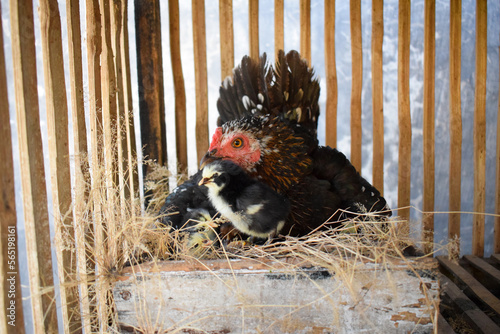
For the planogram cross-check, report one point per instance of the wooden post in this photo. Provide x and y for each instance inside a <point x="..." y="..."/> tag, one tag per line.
<point x="10" y="277"/>
<point x="57" y="124"/>
<point x="378" y="94"/>
<point x="150" y="76"/>
<point x="180" y="92"/>
<point x="200" y="74"/>
<point x="428" y="124"/>
<point x="404" y="116"/>
<point x="36" y="219"/>
<point x="305" y="30"/>
<point x="496" y="243"/>
<point x="455" y="119"/>
<point x="331" y="76"/>
<point x="279" y="24"/>
<point x="226" y="37"/>
<point x="357" y="83"/>
<point x="480" y="129"/>
<point x="80" y="157"/>
<point x="253" y="22"/>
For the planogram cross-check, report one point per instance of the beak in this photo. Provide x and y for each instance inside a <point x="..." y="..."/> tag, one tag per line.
<point x="209" y="157"/>
<point x="204" y="181"/>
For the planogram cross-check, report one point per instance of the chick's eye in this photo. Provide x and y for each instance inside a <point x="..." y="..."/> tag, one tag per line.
<point x="237" y="143"/>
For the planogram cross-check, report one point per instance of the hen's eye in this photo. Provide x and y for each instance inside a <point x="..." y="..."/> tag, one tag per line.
<point x="237" y="143"/>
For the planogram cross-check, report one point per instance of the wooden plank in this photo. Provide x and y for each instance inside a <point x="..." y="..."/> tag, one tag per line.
<point x="200" y="75"/>
<point x="11" y="302"/>
<point x="305" y="30"/>
<point x="455" y="120"/>
<point x="479" y="321"/>
<point x="226" y="37"/>
<point x="378" y="94"/>
<point x="404" y="115"/>
<point x="470" y="285"/>
<point x="180" y="92"/>
<point x="279" y="24"/>
<point x="60" y="176"/>
<point x="150" y="76"/>
<point x="357" y="83"/>
<point x="428" y="124"/>
<point x="496" y="241"/>
<point x="443" y="327"/>
<point x="491" y="272"/>
<point x="253" y="22"/>
<point x="496" y="258"/>
<point x="331" y="76"/>
<point x="480" y="129"/>
<point x="81" y="175"/>
<point x="36" y="219"/>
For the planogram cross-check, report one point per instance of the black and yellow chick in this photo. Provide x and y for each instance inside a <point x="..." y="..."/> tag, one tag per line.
<point x="252" y="206"/>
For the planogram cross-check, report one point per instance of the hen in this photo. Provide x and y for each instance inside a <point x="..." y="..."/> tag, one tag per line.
<point x="268" y="126"/>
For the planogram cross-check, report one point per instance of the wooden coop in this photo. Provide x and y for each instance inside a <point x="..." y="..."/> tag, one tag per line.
<point x="96" y="292"/>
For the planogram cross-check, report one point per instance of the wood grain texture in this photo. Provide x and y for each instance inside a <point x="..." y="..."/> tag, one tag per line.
<point x="496" y="242"/>
<point x="357" y="83"/>
<point x="404" y="116"/>
<point x="36" y="220"/>
<point x="480" y="129"/>
<point x="305" y="30"/>
<point x="455" y="119"/>
<point x="200" y="75"/>
<point x="378" y="94"/>
<point x="8" y="218"/>
<point x="180" y="91"/>
<point x="331" y="76"/>
<point x="253" y="23"/>
<point x="226" y="37"/>
<point x="428" y="124"/>
<point x="279" y="25"/>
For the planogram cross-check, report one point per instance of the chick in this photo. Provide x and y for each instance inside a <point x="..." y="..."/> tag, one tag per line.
<point x="253" y="207"/>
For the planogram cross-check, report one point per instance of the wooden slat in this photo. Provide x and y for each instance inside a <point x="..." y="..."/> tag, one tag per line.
<point x="36" y="219"/>
<point x="443" y="327"/>
<point x="10" y="277"/>
<point x="331" y="76"/>
<point x="496" y="258"/>
<point x="180" y="92"/>
<point x="200" y="75"/>
<point x="491" y="272"/>
<point x="428" y="124"/>
<point x="357" y="83"/>
<point x="455" y="119"/>
<point x="226" y="37"/>
<point x="150" y="77"/>
<point x="305" y="30"/>
<point x="81" y="176"/>
<point x="404" y="116"/>
<point x="471" y="313"/>
<point x="279" y="24"/>
<point x="496" y="241"/>
<point x="480" y="129"/>
<point x="57" y="128"/>
<point x="253" y="22"/>
<point x="470" y="285"/>
<point x="378" y="94"/>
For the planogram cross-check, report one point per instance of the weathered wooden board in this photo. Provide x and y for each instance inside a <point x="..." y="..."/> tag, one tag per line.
<point x="255" y="297"/>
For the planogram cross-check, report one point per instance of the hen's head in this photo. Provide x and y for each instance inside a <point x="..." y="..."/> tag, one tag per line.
<point x="264" y="147"/>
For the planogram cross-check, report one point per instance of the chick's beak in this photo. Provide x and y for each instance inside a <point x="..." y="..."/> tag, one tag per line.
<point x="209" y="157"/>
<point x="204" y="181"/>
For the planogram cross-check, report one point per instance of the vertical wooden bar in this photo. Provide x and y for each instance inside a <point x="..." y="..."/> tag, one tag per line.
<point x="480" y="129"/>
<point x="80" y="156"/>
<point x="331" y="75"/>
<point x="279" y="24"/>
<point x="36" y="219"/>
<point x="455" y="119"/>
<point x="305" y="30"/>
<point x="496" y="243"/>
<point x="226" y="37"/>
<point x="253" y="20"/>
<point x="357" y="83"/>
<point x="180" y="92"/>
<point x="378" y="94"/>
<point x="429" y="70"/>
<point x="404" y="116"/>
<point x="150" y="77"/>
<point x="200" y="74"/>
<point x="57" y="124"/>
<point x="11" y="304"/>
